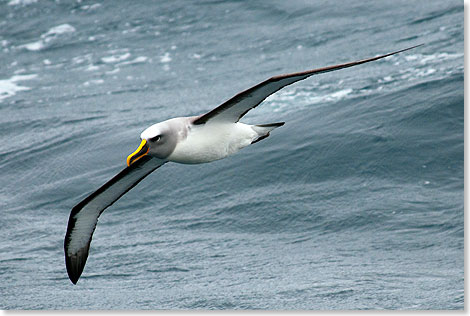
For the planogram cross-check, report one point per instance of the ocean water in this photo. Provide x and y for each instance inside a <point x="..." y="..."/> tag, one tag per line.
<point x="356" y="203"/>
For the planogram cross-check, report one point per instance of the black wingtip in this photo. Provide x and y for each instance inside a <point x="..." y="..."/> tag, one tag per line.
<point x="405" y="49"/>
<point x="74" y="266"/>
<point x="75" y="263"/>
<point x="72" y="275"/>
<point x="74" y="281"/>
<point x="73" y="269"/>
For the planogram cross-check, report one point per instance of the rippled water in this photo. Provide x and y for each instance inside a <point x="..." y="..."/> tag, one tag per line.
<point x="356" y="203"/>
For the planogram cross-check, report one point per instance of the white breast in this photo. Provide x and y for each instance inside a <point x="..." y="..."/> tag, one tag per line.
<point x="212" y="141"/>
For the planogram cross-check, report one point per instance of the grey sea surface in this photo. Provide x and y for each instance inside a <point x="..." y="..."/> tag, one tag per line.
<point x="356" y="203"/>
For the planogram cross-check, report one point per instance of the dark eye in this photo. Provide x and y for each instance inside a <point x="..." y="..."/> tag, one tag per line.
<point x="155" y="139"/>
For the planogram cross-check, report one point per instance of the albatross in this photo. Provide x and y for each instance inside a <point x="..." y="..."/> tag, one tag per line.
<point x="188" y="140"/>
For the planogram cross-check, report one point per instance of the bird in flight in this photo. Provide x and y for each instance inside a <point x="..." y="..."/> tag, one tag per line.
<point x="188" y="140"/>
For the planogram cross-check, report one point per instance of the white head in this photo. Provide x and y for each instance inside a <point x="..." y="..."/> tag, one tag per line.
<point x="158" y="140"/>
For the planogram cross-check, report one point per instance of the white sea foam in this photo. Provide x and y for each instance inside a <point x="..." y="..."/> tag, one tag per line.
<point x="93" y="82"/>
<point x="304" y="98"/>
<point x="385" y="79"/>
<point x="86" y="59"/>
<point x="92" y="68"/>
<point x="59" y="29"/>
<point x="49" y="36"/>
<point x="34" y="46"/>
<point x="338" y="94"/>
<point x="81" y="59"/>
<point x="114" y="71"/>
<point x="132" y="30"/>
<point x="426" y="72"/>
<point x="9" y="87"/>
<point x="90" y="6"/>
<point x="425" y="59"/>
<point x="165" y="58"/>
<point x="137" y="60"/>
<point x="19" y="71"/>
<point x="115" y="58"/>
<point x="411" y="57"/>
<point x="21" y="2"/>
<point x="413" y="73"/>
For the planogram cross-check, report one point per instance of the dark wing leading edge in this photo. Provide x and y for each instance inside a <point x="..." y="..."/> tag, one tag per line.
<point x="84" y="215"/>
<point x="234" y="109"/>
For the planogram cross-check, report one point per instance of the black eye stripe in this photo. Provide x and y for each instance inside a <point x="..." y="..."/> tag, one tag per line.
<point x="156" y="138"/>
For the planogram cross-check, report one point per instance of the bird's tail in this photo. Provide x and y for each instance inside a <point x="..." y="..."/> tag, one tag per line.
<point x="264" y="129"/>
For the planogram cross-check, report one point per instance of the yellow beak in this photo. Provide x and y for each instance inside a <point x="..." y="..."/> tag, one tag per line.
<point x="139" y="153"/>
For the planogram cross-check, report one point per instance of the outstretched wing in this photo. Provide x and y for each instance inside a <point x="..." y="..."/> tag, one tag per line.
<point x="84" y="215"/>
<point x="234" y="109"/>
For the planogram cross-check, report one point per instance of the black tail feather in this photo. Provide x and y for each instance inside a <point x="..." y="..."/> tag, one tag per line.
<point x="272" y="124"/>
<point x="264" y="129"/>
